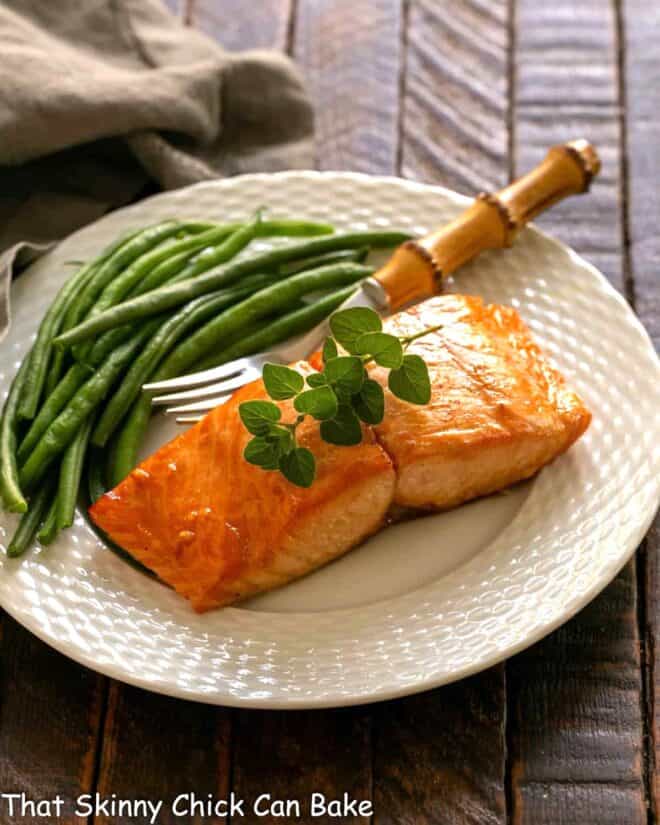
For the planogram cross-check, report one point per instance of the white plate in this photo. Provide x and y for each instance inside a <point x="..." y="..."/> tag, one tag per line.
<point x="425" y="602"/>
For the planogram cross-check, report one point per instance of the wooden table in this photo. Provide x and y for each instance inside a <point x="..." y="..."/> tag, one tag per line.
<point x="464" y="93"/>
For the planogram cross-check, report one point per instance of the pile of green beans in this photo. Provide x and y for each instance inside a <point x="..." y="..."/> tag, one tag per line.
<point x="168" y="297"/>
<point x="158" y="302"/>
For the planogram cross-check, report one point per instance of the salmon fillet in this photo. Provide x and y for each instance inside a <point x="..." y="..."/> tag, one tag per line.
<point x="219" y="529"/>
<point x="498" y="410"/>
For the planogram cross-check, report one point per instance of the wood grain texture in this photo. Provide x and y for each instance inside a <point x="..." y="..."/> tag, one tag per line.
<point x="641" y="35"/>
<point x="49" y="723"/>
<point x="642" y="87"/>
<point x="292" y="755"/>
<point x="456" y="94"/>
<point x="156" y="748"/>
<point x="350" y="53"/>
<point x="566" y="87"/>
<point x="576" y="727"/>
<point x="439" y="756"/>
<point x="237" y="25"/>
<point x="177" y="7"/>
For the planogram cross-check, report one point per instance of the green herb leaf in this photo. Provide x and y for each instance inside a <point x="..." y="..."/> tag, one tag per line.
<point x="348" y="324"/>
<point x="317" y="379"/>
<point x="385" y="349"/>
<point x="262" y="453"/>
<point x="346" y="373"/>
<point x="282" y="382"/>
<point x="369" y="403"/>
<point x="329" y="350"/>
<point x="344" y="429"/>
<point x="281" y="436"/>
<point x="411" y="382"/>
<point x="299" y="467"/>
<point x="257" y="416"/>
<point x="321" y="403"/>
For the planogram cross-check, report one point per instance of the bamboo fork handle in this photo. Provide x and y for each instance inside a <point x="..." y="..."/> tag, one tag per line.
<point x="492" y="221"/>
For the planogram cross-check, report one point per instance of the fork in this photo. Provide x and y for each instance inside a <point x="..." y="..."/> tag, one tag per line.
<point x="415" y="271"/>
<point x="201" y="391"/>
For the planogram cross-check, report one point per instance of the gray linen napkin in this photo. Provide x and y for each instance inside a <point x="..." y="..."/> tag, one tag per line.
<point x="98" y="98"/>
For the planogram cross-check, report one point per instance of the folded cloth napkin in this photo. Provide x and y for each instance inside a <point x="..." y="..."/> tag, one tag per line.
<point x="98" y="98"/>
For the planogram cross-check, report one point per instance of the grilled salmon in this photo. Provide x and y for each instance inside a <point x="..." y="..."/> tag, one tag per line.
<point x="498" y="410"/>
<point x="219" y="529"/>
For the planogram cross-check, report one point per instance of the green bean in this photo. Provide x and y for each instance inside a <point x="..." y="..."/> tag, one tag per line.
<point x="174" y="295"/>
<point x="62" y="430"/>
<point x="72" y="380"/>
<point x="293" y="229"/>
<point x="142" y="243"/>
<point x="49" y="529"/>
<point x="162" y="273"/>
<point x="70" y="475"/>
<point x="10" y="487"/>
<point x="50" y="325"/>
<point x="134" y="274"/>
<point x="93" y="357"/>
<point x="174" y="265"/>
<point x="343" y="256"/>
<point x="188" y="317"/>
<point x="129" y="438"/>
<point x="172" y="269"/>
<point x="57" y="356"/>
<point x="56" y="401"/>
<point x="266" y="302"/>
<point x="280" y="329"/>
<point x="213" y="256"/>
<point x="30" y="521"/>
<point x="209" y="256"/>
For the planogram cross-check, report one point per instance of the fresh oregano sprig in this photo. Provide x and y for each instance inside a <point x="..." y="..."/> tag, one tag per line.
<point x="339" y="397"/>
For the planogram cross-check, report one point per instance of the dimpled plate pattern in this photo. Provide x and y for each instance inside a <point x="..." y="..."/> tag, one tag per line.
<point x="580" y="521"/>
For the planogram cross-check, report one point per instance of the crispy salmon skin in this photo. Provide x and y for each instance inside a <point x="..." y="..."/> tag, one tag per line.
<point x="219" y="529"/>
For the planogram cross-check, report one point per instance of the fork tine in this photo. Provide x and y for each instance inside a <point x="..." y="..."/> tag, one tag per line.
<point x="189" y="419"/>
<point x="193" y="395"/>
<point x="198" y="406"/>
<point x="222" y="388"/>
<point x="197" y="378"/>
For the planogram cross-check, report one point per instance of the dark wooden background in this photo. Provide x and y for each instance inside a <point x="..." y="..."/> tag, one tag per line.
<point x="464" y="93"/>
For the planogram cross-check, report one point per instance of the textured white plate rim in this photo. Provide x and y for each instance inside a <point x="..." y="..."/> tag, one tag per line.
<point x="570" y="608"/>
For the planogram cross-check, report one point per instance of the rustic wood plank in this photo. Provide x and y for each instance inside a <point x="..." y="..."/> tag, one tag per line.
<point x="156" y="748"/>
<point x="50" y="723"/>
<point x="642" y="64"/>
<point x="566" y="87"/>
<point x="293" y="755"/>
<point x="440" y="757"/>
<point x="576" y="729"/>
<point x="177" y="7"/>
<point x="237" y="25"/>
<point x="456" y="94"/>
<point x="641" y="29"/>
<point x="350" y="53"/>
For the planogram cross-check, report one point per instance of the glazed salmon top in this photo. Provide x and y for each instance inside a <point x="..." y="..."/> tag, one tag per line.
<point x="201" y="517"/>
